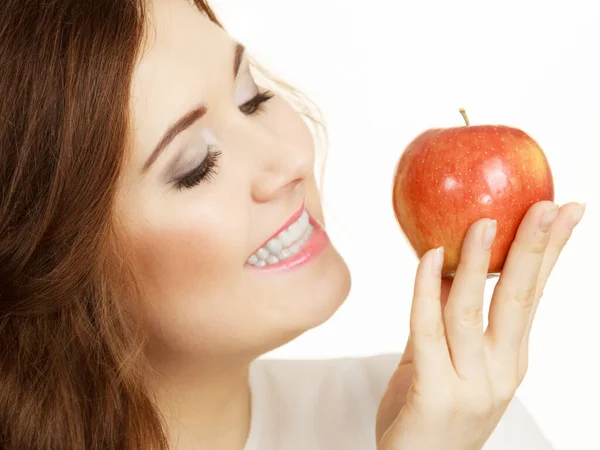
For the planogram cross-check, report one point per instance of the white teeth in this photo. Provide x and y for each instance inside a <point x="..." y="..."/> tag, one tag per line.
<point x="297" y="229"/>
<point x="274" y="246"/>
<point x="286" y="238"/>
<point x="262" y="254"/>
<point x="286" y="244"/>
<point x="294" y="228"/>
<point x="295" y="248"/>
<point x="308" y="233"/>
<point x="304" y="219"/>
<point x="272" y="260"/>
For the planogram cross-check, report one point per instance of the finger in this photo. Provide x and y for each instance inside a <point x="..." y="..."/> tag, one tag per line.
<point x="407" y="355"/>
<point x="430" y="350"/>
<point x="463" y="315"/>
<point x="569" y="216"/>
<point x="514" y="294"/>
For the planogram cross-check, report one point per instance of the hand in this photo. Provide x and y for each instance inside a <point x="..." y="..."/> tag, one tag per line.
<point x="455" y="381"/>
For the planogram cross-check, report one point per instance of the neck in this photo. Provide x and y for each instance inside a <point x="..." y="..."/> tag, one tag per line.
<point x="205" y="407"/>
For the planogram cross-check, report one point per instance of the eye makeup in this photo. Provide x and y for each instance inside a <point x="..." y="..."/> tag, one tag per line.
<point x="202" y="161"/>
<point x="199" y="160"/>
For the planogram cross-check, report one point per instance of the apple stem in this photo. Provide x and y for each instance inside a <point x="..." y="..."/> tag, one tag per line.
<point x="464" y="114"/>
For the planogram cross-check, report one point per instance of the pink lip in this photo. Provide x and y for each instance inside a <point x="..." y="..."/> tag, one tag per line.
<point x="290" y="221"/>
<point x="315" y="245"/>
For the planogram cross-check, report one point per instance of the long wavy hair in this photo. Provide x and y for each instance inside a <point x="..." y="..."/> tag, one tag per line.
<point x="71" y="324"/>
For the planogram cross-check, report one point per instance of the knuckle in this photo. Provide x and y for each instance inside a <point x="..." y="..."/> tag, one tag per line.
<point x="559" y="240"/>
<point x="538" y="244"/>
<point x="525" y="298"/>
<point x="471" y="317"/>
<point x="432" y="331"/>
<point x="534" y="242"/>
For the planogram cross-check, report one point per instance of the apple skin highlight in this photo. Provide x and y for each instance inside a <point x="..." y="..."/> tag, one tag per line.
<point x="448" y="178"/>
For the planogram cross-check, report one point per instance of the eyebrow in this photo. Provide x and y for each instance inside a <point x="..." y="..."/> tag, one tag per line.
<point x="191" y="116"/>
<point x="239" y="55"/>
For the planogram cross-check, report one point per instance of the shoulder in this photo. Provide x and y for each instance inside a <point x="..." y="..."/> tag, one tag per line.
<point x="345" y="393"/>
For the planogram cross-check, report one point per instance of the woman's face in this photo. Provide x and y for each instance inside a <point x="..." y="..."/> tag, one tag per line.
<point x="194" y="236"/>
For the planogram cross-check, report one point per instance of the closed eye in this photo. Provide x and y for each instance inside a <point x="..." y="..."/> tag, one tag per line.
<point x="253" y="106"/>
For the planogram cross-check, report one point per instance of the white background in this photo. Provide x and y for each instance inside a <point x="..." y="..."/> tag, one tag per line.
<point x="382" y="72"/>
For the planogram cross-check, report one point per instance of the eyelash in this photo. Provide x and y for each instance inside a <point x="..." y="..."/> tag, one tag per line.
<point x="207" y="168"/>
<point x="253" y="106"/>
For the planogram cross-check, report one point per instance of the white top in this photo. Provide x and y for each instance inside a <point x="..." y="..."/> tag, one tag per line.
<point x="332" y="405"/>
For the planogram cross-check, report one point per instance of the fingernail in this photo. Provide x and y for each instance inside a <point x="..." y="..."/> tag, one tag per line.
<point x="577" y="215"/>
<point x="548" y="218"/>
<point x="438" y="261"/>
<point x="490" y="234"/>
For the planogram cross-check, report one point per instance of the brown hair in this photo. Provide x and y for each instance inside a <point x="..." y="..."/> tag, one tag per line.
<point x="71" y="353"/>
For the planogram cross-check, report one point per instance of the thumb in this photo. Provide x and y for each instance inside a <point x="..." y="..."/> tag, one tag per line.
<point x="407" y="355"/>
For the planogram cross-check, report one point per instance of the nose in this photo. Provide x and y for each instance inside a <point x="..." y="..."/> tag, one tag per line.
<point x="281" y="168"/>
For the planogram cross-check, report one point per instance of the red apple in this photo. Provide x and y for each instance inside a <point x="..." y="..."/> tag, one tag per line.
<point x="448" y="178"/>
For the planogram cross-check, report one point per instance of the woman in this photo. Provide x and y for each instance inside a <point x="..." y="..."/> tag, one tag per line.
<point x="161" y="228"/>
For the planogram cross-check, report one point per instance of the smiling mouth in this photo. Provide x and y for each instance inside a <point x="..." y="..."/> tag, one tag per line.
<point x="287" y="243"/>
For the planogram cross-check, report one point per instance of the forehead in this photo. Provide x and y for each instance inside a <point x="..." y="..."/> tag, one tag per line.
<point x="183" y="58"/>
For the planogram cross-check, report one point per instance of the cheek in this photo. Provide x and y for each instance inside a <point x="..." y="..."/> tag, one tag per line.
<point x="166" y="257"/>
<point x="192" y="275"/>
<point x="185" y="264"/>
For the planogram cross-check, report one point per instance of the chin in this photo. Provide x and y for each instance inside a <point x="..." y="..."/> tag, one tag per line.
<point x="317" y="301"/>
